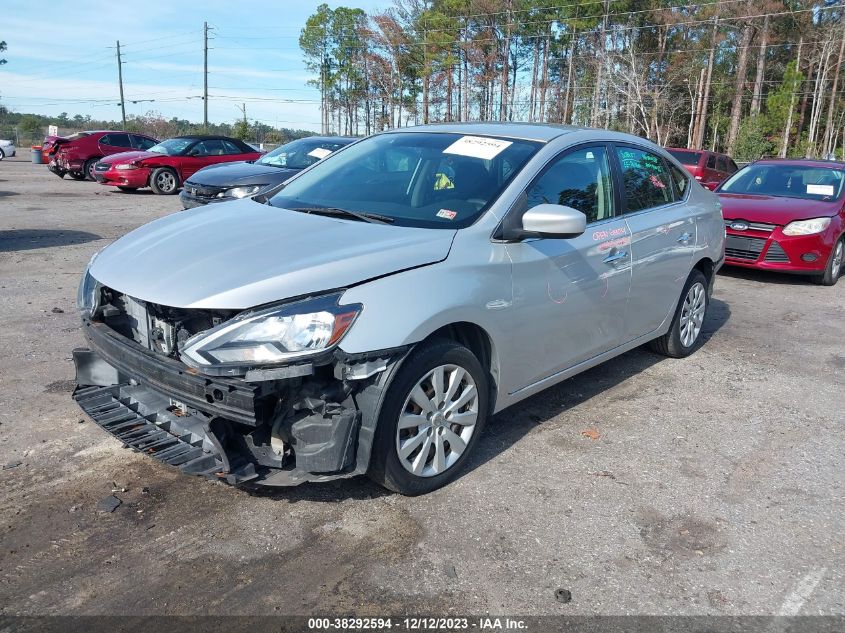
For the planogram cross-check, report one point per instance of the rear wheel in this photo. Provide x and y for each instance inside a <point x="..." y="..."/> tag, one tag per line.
<point x="834" y="265"/>
<point x="164" y="181"/>
<point x="430" y="419"/>
<point x="2" y="154"/>
<point x="88" y="170"/>
<point x="684" y="337"/>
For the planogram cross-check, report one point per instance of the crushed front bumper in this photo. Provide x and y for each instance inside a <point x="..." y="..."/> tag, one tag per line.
<point x="227" y="428"/>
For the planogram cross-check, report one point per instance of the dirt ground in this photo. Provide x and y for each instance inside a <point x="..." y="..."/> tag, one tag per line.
<point x="711" y="485"/>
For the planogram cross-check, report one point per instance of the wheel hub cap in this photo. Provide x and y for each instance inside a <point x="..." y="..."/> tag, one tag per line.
<point x="437" y="421"/>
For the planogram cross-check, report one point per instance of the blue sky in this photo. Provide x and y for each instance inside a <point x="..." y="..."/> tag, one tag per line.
<point x="61" y="58"/>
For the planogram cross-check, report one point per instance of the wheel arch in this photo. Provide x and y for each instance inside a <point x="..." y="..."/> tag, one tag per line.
<point x="707" y="268"/>
<point x="479" y="342"/>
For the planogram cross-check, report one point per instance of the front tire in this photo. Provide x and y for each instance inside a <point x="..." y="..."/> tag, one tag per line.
<point x="430" y="419"/>
<point x="834" y="265"/>
<point x="684" y="337"/>
<point x="164" y="181"/>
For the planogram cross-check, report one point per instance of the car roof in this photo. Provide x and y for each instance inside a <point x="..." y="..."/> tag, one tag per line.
<point x="207" y="137"/>
<point x="801" y="162"/>
<point x="326" y="138"/>
<point x="525" y="131"/>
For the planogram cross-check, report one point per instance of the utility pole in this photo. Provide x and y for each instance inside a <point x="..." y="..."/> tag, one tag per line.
<point x="205" y="76"/>
<point x="120" y="81"/>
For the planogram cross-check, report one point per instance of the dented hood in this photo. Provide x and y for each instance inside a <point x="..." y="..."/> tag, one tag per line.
<point x="241" y="254"/>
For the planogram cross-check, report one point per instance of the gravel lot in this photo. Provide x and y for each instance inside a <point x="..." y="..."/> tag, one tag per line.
<point x="711" y="485"/>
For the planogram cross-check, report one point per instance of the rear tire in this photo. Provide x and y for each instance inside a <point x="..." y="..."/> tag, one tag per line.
<point x="164" y="181"/>
<point x="2" y="154"/>
<point x="88" y="170"/>
<point x="834" y="265"/>
<point x="684" y="337"/>
<point x="434" y="375"/>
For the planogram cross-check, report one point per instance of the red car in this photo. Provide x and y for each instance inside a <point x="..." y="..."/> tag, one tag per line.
<point x="787" y="216"/>
<point x="76" y="155"/>
<point x="167" y="165"/>
<point x="708" y="168"/>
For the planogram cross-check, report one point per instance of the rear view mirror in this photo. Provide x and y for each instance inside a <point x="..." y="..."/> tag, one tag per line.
<point x="553" y="221"/>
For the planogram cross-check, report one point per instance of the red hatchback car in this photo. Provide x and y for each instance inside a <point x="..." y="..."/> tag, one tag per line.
<point x="76" y="155"/>
<point x="708" y="168"/>
<point x="165" y="166"/>
<point x="788" y="216"/>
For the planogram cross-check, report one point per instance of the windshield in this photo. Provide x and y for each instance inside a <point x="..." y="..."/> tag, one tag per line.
<point x="684" y="157"/>
<point x="787" y="181"/>
<point x="420" y="179"/>
<point x="172" y="146"/>
<point x="301" y="153"/>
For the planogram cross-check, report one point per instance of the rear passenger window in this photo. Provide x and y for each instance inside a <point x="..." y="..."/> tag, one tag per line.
<point x="231" y="148"/>
<point x="681" y="179"/>
<point x="722" y="164"/>
<point x="142" y="142"/>
<point x="646" y="180"/>
<point x="579" y="179"/>
<point x="711" y="161"/>
<point x="116" y="140"/>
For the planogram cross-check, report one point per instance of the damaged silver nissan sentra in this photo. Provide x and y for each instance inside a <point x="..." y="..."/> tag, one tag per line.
<point x="369" y="315"/>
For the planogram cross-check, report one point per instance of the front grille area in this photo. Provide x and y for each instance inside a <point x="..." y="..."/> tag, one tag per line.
<point x="201" y="191"/>
<point x="776" y="254"/>
<point x="101" y="167"/>
<point x="754" y="226"/>
<point x="748" y="248"/>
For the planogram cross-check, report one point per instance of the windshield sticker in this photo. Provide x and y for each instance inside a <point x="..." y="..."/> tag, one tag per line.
<point x="820" y="190"/>
<point x="446" y="214"/>
<point x="478" y="147"/>
<point x="319" y="152"/>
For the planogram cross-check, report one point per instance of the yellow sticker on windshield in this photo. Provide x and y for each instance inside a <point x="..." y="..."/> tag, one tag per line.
<point x="478" y="147"/>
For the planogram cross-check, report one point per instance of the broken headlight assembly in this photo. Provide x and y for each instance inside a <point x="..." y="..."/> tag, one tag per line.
<point x="88" y="293"/>
<point x="272" y="336"/>
<point x="241" y="192"/>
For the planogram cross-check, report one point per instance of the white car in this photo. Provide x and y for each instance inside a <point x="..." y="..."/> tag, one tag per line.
<point x="7" y="148"/>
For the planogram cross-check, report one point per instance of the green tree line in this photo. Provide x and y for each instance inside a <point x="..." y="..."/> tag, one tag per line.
<point x="749" y="77"/>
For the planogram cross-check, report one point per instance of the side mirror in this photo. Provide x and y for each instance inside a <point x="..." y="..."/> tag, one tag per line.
<point x="553" y="221"/>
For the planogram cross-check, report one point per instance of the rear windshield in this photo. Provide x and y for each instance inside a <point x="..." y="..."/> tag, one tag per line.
<point x="787" y="181"/>
<point x="685" y="157"/>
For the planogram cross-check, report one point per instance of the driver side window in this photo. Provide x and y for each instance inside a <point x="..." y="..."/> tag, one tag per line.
<point x="579" y="179"/>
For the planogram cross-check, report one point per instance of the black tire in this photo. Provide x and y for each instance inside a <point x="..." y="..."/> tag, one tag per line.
<point x="385" y="465"/>
<point x="833" y="270"/>
<point x="88" y="170"/>
<point x="2" y="154"/>
<point x="164" y="181"/>
<point x="671" y="343"/>
<point x="76" y="175"/>
<point x="128" y="189"/>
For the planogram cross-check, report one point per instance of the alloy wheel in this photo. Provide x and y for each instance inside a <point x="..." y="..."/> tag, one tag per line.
<point x="166" y="181"/>
<point x="437" y="421"/>
<point x="836" y="265"/>
<point x="692" y="314"/>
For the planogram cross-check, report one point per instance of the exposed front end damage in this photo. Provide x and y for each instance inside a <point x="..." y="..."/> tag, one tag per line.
<point x="311" y="420"/>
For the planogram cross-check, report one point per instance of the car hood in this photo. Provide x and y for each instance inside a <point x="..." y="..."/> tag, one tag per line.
<point x="241" y="254"/>
<point x="124" y="157"/>
<point x="240" y="173"/>
<point x="774" y="209"/>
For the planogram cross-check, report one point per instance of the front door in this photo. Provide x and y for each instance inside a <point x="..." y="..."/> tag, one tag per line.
<point x="570" y="295"/>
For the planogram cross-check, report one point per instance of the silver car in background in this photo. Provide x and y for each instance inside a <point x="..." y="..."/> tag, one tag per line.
<point x="372" y="313"/>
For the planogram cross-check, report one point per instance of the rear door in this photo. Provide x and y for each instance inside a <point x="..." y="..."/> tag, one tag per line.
<point x="662" y="235"/>
<point x="570" y="295"/>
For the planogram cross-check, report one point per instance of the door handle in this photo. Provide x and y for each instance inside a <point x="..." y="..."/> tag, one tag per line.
<point x="685" y="238"/>
<point x="615" y="257"/>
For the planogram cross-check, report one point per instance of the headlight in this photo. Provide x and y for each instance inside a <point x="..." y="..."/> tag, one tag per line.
<point x="241" y="192"/>
<point x="122" y="166"/>
<point x="806" y="227"/>
<point x="271" y="336"/>
<point x="88" y="294"/>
